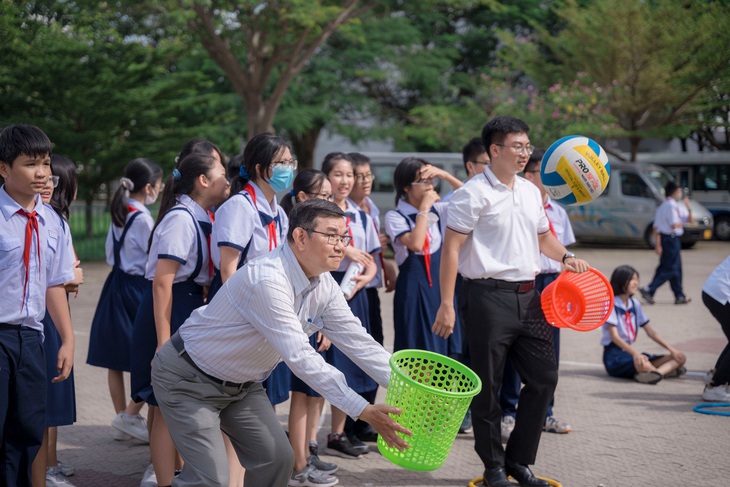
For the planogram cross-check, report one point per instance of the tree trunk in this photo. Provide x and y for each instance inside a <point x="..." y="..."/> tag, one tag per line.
<point x="304" y="145"/>
<point x="634" y="141"/>
<point x="89" y="217"/>
<point x="259" y="118"/>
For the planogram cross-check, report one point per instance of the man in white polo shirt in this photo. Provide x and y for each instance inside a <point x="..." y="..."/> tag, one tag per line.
<point x="208" y="376"/>
<point x="496" y="230"/>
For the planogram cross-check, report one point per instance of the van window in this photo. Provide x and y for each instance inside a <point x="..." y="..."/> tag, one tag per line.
<point x="659" y="178"/>
<point x="383" y="182"/>
<point x="710" y="177"/>
<point x="633" y="185"/>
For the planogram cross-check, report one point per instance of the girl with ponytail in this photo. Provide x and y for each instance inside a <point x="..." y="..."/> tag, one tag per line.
<point x="179" y="269"/>
<point x="126" y="251"/>
<point x="252" y="223"/>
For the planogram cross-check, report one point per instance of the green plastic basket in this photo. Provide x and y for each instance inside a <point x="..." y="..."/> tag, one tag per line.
<point x="434" y="393"/>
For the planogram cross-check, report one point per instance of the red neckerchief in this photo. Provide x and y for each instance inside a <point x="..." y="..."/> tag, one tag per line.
<point x="349" y="231"/>
<point x="552" y="229"/>
<point x="630" y="328"/>
<point x="30" y="227"/>
<point x="271" y="227"/>
<point x="427" y="256"/>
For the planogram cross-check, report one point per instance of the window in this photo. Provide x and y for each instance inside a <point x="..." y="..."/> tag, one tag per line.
<point x="706" y="178"/>
<point x="633" y="185"/>
<point x="383" y="182"/>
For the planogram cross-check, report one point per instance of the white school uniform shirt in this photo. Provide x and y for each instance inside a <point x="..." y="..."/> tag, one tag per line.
<point x="717" y="285"/>
<point x="175" y="238"/>
<point x="237" y="223"/>
<point x="557" y="215"/>
<point x="56" y="264"/>
<point x="265" y="312"/>
<point x="133" y="254"/>
<point x="364" y="235"/>
<point x="399" y="223"/>
<point x="617" y="318"/>
<point x="668" y="214"/>
<point x="502" y="226"/>
<point x="375" y="216"/>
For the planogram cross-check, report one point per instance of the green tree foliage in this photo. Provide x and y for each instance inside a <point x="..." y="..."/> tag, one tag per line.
<point x="655" y="62"/>
<point x="102" y="96"/>
<point x="552" y="113"/>
<point x="102" y="92"/>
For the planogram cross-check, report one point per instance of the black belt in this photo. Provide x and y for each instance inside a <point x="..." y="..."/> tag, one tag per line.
<point x="519" y="287"/>
<point x="179" y="345"/>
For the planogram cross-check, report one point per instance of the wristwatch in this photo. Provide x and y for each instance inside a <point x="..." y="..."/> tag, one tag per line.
<point x="568" y="255"/>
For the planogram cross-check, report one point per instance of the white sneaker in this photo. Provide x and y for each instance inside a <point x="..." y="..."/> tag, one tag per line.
<point x="707" y="378"/>
<point x="149" y="479"/>
<point x="54" y="478"/>
<point x="67" y="469"/>
<point x="134" y="426"/>
<point x="120" y="435"/>
<point x="554" y="425"/>
<point x="717" y="393"/>
<point x="507" y="425"/>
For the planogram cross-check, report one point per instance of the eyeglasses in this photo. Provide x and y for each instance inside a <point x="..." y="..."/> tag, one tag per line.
<point x="361" y="178"/>
<point x="290" y="163"/>
<point x="55" y="180"/>
<point x="322" y="196"/>
<point x="518" y="148"/>
<point x="334" y="239"/>
<point x="424" y="182"/>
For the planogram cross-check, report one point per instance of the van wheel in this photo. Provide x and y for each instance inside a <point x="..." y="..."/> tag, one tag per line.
<point x="722" y="227"/>
<point x="649" y="238"/>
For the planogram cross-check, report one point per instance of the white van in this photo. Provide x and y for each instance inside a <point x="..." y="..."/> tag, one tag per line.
<point x="625" y="211"/>
<point x="706" y="175"/>
<point x="383" y="165"/>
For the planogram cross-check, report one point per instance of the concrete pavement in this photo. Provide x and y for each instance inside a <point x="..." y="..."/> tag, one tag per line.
<point x="624" y="434"/>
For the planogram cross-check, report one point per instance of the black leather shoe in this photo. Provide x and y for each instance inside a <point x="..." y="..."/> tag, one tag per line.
<point x="496" y="477"/>
<point x="523" y="475"/>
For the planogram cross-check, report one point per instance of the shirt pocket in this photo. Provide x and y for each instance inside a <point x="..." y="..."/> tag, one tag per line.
<point x="311" y="326"/>
<point x="11" y="253"/>
<point x="52" y="248"/>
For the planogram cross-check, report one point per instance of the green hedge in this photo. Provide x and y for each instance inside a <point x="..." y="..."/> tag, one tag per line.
<point x="89" y="238"/>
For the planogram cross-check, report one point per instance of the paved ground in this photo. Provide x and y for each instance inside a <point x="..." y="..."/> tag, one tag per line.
<point x="624" y="434"/>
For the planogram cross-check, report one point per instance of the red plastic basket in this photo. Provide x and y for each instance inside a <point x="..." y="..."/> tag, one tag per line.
<point x="581" y="301"/>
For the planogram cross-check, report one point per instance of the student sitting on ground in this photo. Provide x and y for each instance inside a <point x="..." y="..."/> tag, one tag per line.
<point x="620" y="330"/>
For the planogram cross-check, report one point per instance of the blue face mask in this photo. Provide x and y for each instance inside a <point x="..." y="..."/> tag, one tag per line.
<point x="282" y="178"/>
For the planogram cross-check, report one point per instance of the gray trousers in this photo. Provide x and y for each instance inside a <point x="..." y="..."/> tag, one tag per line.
<point x="196" y="409"/>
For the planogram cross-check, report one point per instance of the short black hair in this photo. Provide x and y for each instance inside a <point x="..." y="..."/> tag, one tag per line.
<point x="495" y="131"/>
<point x="358" y="159"/>
<point x="621" y="277"/>
<point x="472" y="150"/>
<point x="20" y="139"/>
<point x="304" y="215"/>
<point x="533" y="163"/>
<point x="331" y="159"/>
<point x="670" y="188"/>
